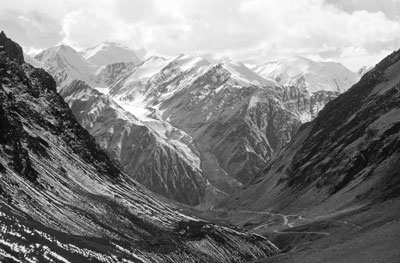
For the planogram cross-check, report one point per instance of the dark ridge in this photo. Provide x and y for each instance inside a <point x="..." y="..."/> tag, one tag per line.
<point x="332" y="125"/>
<point x="22" y="78"/>
<point x="11" y="49"/>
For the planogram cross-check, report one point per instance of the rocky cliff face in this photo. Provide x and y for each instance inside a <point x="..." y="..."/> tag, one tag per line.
<point x="63" y="200"/>
<point x="349" y="154"/>
<point x="304" y="105"/>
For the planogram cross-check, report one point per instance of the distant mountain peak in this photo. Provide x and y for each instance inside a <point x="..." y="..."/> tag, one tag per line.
<point x="297" y="58"/>
<point x="325" y="76"/>
<point x="62" y="49"/>
<point x="108" y="52"/>
<point x="241" y="72"/>
<point x="191" y="58"/>
<point x="108" y="44"/>
<point x="156" y="58"/>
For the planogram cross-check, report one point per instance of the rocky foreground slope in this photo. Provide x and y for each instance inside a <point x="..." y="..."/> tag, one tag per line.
<point x="63" y="200"/>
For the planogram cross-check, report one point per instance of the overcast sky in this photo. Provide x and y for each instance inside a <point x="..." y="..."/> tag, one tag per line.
<point x="354" y="32"/>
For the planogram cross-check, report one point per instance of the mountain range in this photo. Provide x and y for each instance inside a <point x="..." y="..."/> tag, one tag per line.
<point x="189" y="129"/>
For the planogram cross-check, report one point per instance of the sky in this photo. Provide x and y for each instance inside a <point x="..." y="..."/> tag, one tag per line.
<point x="353" y="32"/>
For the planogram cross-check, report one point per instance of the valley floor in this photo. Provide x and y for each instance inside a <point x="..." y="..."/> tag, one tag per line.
<point x="365" y="234"/>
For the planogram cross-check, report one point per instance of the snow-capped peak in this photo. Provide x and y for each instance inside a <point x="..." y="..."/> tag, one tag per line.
<point x="63" y="56"/>
<point x="185" y="62"/>
<point x="109" y="53"/>
<point x="327" y="76"/>
<point x="146" y="69"/>
<point x="239" y="71"/>
<point x="61" y="50"/>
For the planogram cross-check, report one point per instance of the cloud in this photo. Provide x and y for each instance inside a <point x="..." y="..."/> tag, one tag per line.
<point x="85" y="27"/>
<point x="391" y="8"/>
<point x="251" y="30"/>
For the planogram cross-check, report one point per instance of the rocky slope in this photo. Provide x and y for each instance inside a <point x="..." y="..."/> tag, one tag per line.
<point x="63" y="200"/>
<point x="148" y="157"/>
<point x="348" y="155"/>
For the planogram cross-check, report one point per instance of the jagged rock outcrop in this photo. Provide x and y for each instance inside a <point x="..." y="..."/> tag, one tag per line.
<point x="12" y="48"/>
<point x="63" y="200"/>
<point x="303" y="104"/>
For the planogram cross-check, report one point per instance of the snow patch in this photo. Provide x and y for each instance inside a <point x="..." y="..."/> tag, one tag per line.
<point x="253" y="102"/>
<point x="104" y="91"/>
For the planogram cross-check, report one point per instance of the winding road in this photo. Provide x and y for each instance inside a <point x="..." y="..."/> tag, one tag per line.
<point x="288" y="222"/>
